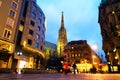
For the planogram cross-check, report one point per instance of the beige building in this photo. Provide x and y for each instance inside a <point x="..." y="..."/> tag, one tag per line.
<point x="81" y="53"/>
<point x="9" y="17"/>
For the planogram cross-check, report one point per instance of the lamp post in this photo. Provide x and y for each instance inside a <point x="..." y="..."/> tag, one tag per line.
<point x="19" y="53"/>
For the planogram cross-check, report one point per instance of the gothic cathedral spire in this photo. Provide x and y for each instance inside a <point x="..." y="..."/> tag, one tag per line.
<point x="62" y="38"/>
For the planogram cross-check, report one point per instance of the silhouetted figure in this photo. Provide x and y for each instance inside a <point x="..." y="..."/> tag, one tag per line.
<point x="74" y="68"/>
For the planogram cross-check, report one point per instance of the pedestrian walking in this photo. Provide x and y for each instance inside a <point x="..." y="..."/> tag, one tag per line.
<point x="66" y="68"/>
<point x="75" y="68"/>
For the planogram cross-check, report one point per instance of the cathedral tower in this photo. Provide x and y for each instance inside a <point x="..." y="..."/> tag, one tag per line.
<point x="62" y="38"/>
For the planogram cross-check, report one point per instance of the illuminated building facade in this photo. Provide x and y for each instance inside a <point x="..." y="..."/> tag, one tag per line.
<point x="31" y="36"/>
<point x="62" y="38"/>
<point x="109" y="20"/>
<point x="22" y="33"/>
<point x="9" y="17"/>
<point x="81" y="53"/>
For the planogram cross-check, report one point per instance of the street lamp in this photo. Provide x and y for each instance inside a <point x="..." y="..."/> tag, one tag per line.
<point x="19" y="53"/>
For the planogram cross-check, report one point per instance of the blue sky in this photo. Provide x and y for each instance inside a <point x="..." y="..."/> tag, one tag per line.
<point x="80" y="19"/>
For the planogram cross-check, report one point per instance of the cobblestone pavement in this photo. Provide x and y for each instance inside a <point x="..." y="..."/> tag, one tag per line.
<point x="81" y="76"/>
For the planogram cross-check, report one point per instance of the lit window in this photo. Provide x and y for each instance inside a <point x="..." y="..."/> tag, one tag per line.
<point x="0" y="3"/>
<point x="33" y="15"/>
<point x="10" y="22"/>
<point x="14" y="5"/>
<point x="7" y="33"/>
<point x="12" y="13"/>
<point x="37" y="45"/>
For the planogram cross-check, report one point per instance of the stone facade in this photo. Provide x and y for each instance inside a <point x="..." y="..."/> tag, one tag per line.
<point x="109" y="20"/>
<point x="62" y="38"/>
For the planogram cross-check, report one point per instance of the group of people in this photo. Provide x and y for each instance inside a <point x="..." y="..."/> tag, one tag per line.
<point x="67" y="68"/>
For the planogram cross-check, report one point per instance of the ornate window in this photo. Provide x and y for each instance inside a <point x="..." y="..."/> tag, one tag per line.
<point x="7" y="33"/>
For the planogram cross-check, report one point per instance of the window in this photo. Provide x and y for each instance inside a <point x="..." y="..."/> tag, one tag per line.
<point x="42" y="32"/>
<point x="33" y="15"/>
<point x="41" y="47"/>
<point x="37" y="36"/>
<point x="10" y="22"/>
<point x="32" y="23"/>
<point x="0" y="3"/>
<point x="39" y="20"/>
<point x="29" y="42"/>
<point x="14" y="5"/>
<point x="12" y="13"/>
<point x="40" y="13"/>
<point x="7" y="33"/>
<point x="34" y="7"/>
<point x="38" y="28"/>
<point x="31" y="32"/>
<point x="37" y="45"/>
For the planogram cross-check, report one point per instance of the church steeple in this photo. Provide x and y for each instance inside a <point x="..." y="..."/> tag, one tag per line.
<point x="62" y="38"/>
<point x="62" y="20"/>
